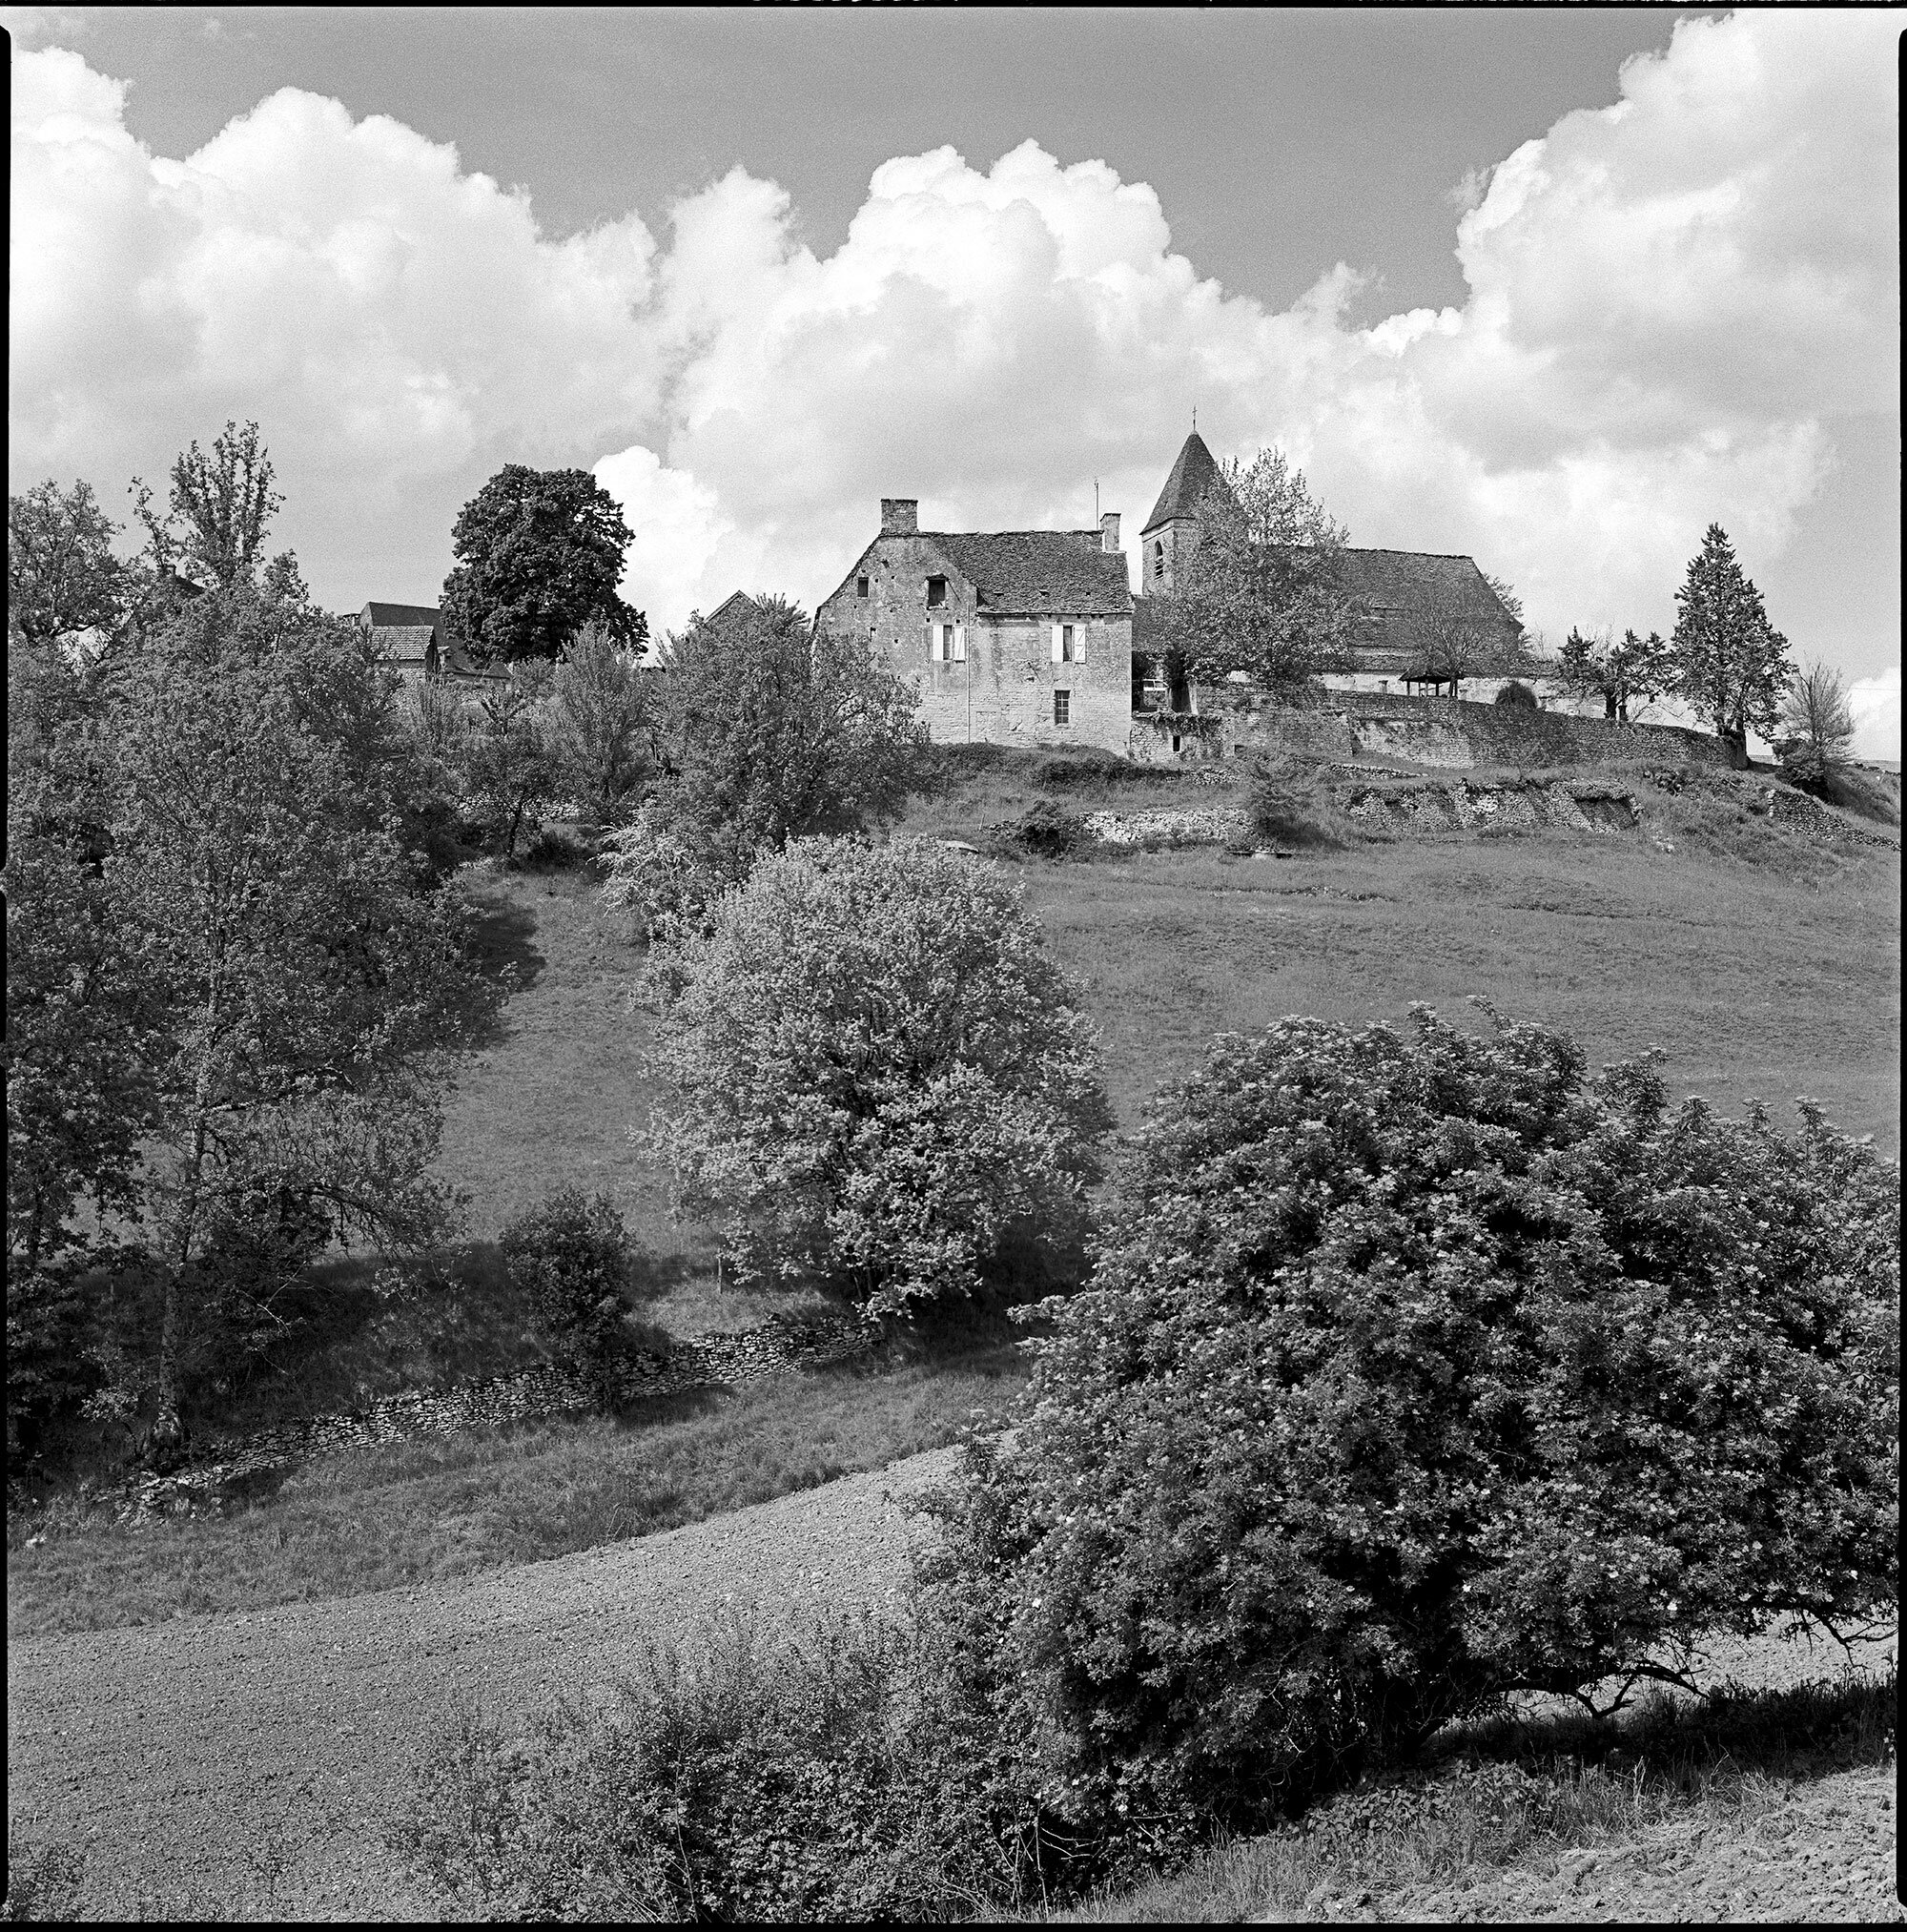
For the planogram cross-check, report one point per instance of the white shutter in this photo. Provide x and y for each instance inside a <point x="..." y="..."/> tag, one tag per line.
<point x="959" y="644"/>
<point x="1079" y="644"/>
<point x="932" y="642"/>
<point x="1058" y="636"/>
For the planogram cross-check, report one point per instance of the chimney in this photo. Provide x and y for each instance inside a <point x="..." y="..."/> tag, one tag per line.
<point x="1109" y="532"/>
<point x="900" y="516"/>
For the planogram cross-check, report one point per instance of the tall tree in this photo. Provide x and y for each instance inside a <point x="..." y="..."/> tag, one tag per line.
<point x="539" y="555"/>
<point x="1261" y="592"/>
<point x="1817" y="725"/>
<point x="62" y="576"/>
<point x="1730" y="661"/>
<point x="772" y="733"/>
<point x="257" y="865"/>
<point x="1457" y="638"/>
<point x="601" y="706"/>
<point x="217" y="512"/>
<point x="1628" y="674"/>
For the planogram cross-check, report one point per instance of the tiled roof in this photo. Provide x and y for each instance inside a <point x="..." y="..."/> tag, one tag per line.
<point x="733" y="608"/>
<point x="376" y="616"/>
<point x="1399" y="588"/>
<point x="1064" y="572"/>
<point x="402" y="643"/>
<point x="1192" y="476"/>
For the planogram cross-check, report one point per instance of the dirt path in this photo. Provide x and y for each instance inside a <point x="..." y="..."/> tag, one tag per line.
<point x="243" y="1762"/>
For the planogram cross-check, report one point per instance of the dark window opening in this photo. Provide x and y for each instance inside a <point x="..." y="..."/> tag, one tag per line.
<point x="937" y="591"/>
<point x="1062" y="707"/>
<point x="1159" y="560"/>
<point x="860" y="586"/>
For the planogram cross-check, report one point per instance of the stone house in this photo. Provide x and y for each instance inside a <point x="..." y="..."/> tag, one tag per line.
<point x="410" y="638"/>
<point x="1015" y="637"/>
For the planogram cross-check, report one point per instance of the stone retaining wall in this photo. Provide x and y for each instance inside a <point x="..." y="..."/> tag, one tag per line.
<point x="1455" y="804"/>
<point x="220" y="1466"/>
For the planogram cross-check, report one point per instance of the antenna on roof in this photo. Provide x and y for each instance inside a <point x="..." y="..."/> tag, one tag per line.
<point x="1096" y="499"/>
<point x="1194" y="419"/>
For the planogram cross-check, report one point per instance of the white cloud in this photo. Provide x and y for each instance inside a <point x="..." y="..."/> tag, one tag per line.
<point x="1668" y="298"/>
<point x="30" y="26"/>
<point x="1876" y="704"/>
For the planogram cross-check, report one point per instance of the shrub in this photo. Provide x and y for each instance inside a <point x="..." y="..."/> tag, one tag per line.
<point x="774" y="1783"/>
<point x="880" y="1080"/>
<point x="1047" y="830"/>
<point x="1288" y="804"/>
<point x="572" y="1261"/>
<point x="1516" y="693"/>
<point x="1416" y="1371"/>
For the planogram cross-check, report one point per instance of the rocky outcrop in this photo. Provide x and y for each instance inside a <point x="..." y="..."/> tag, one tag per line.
<point x="1457" y="804"/>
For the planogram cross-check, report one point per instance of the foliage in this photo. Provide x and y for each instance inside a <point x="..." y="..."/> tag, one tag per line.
<point x="1729" y="659"/>
<point x="62" y="576"/>
<point x="510" y="769"/>
<point x="1048" y="831"/>
<point x="1261" y="592"/>
<point x="217" y="512"/>
<point x="1634" y="673"/>
<point x="1518" y="694"/>
<point x="769" y="734"/>
<point x="656" y="874"/>
<point x="772" y="1781"/>
<point x="257" y="877"/>
<point x="1290" y="803"/>
<point x="880" y="1081"/>
<point x="601" y="714"/>
<point x="1819" y="728"/>
<point x="539" y="555"/>
<point x="1415" y="1372"/>
<point x="570" y="1259"/>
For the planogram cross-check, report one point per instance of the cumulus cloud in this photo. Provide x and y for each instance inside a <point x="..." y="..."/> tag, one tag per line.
<point x="1668" y="300"/>
<point x="1876" y="704"/>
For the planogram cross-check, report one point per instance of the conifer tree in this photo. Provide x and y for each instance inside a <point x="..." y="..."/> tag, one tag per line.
<point x="1731" y="663"/>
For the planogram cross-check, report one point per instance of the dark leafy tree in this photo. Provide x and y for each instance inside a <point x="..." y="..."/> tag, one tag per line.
<point x="1416" y="1371"/>
<point x="539" y="555"/>
<point x="257" y="866"/>
<point x="1625" y="675"/>
<point x="217" y="512"/>
<point x="62" y="576"/>
<point x="1729" y="662"/>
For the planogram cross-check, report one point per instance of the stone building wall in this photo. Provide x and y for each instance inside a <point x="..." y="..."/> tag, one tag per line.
<point x="1003" y="694"/>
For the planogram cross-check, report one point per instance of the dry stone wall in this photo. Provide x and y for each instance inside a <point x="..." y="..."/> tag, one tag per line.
<point x="218" y="1467"/>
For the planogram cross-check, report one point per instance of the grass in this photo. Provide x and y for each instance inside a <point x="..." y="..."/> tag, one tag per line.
<point x="427" y="1512"/>
<point x="1521" y="1795"/>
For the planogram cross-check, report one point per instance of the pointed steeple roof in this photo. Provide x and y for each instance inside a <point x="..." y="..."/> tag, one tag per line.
<point x="1192" y="476"/>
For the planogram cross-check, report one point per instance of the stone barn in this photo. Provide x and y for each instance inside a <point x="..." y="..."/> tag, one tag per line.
<point x="1015" y="637"/>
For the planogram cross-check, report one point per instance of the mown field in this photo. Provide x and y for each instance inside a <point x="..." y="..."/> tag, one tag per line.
<point x="1762" y="966"/>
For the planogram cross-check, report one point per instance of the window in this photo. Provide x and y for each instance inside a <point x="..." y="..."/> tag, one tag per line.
<point x="947" y="642"/>
<point x="1062" y="707"/>
<point x="1158" y="560"/>
<point x="1069" y="644"/>
<point x="860" y="586"/>
<point x="936" y="592"/>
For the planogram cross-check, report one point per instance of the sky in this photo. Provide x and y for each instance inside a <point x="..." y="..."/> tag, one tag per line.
<point x="1556" y="289"/>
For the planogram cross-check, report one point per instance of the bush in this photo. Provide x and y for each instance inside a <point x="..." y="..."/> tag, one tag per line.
<point x="1288" y="804"/>
<point x="775" y="1783"/>
<point x="572" y="1262"/>
<point x="1516" y="693"/>
<point x="1048" y="831"/>
<point x="1415" y="1370"/>
<point x="880" y="1081"/>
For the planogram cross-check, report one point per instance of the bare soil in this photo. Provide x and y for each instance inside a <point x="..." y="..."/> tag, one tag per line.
<point x="242" y="1766"/>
